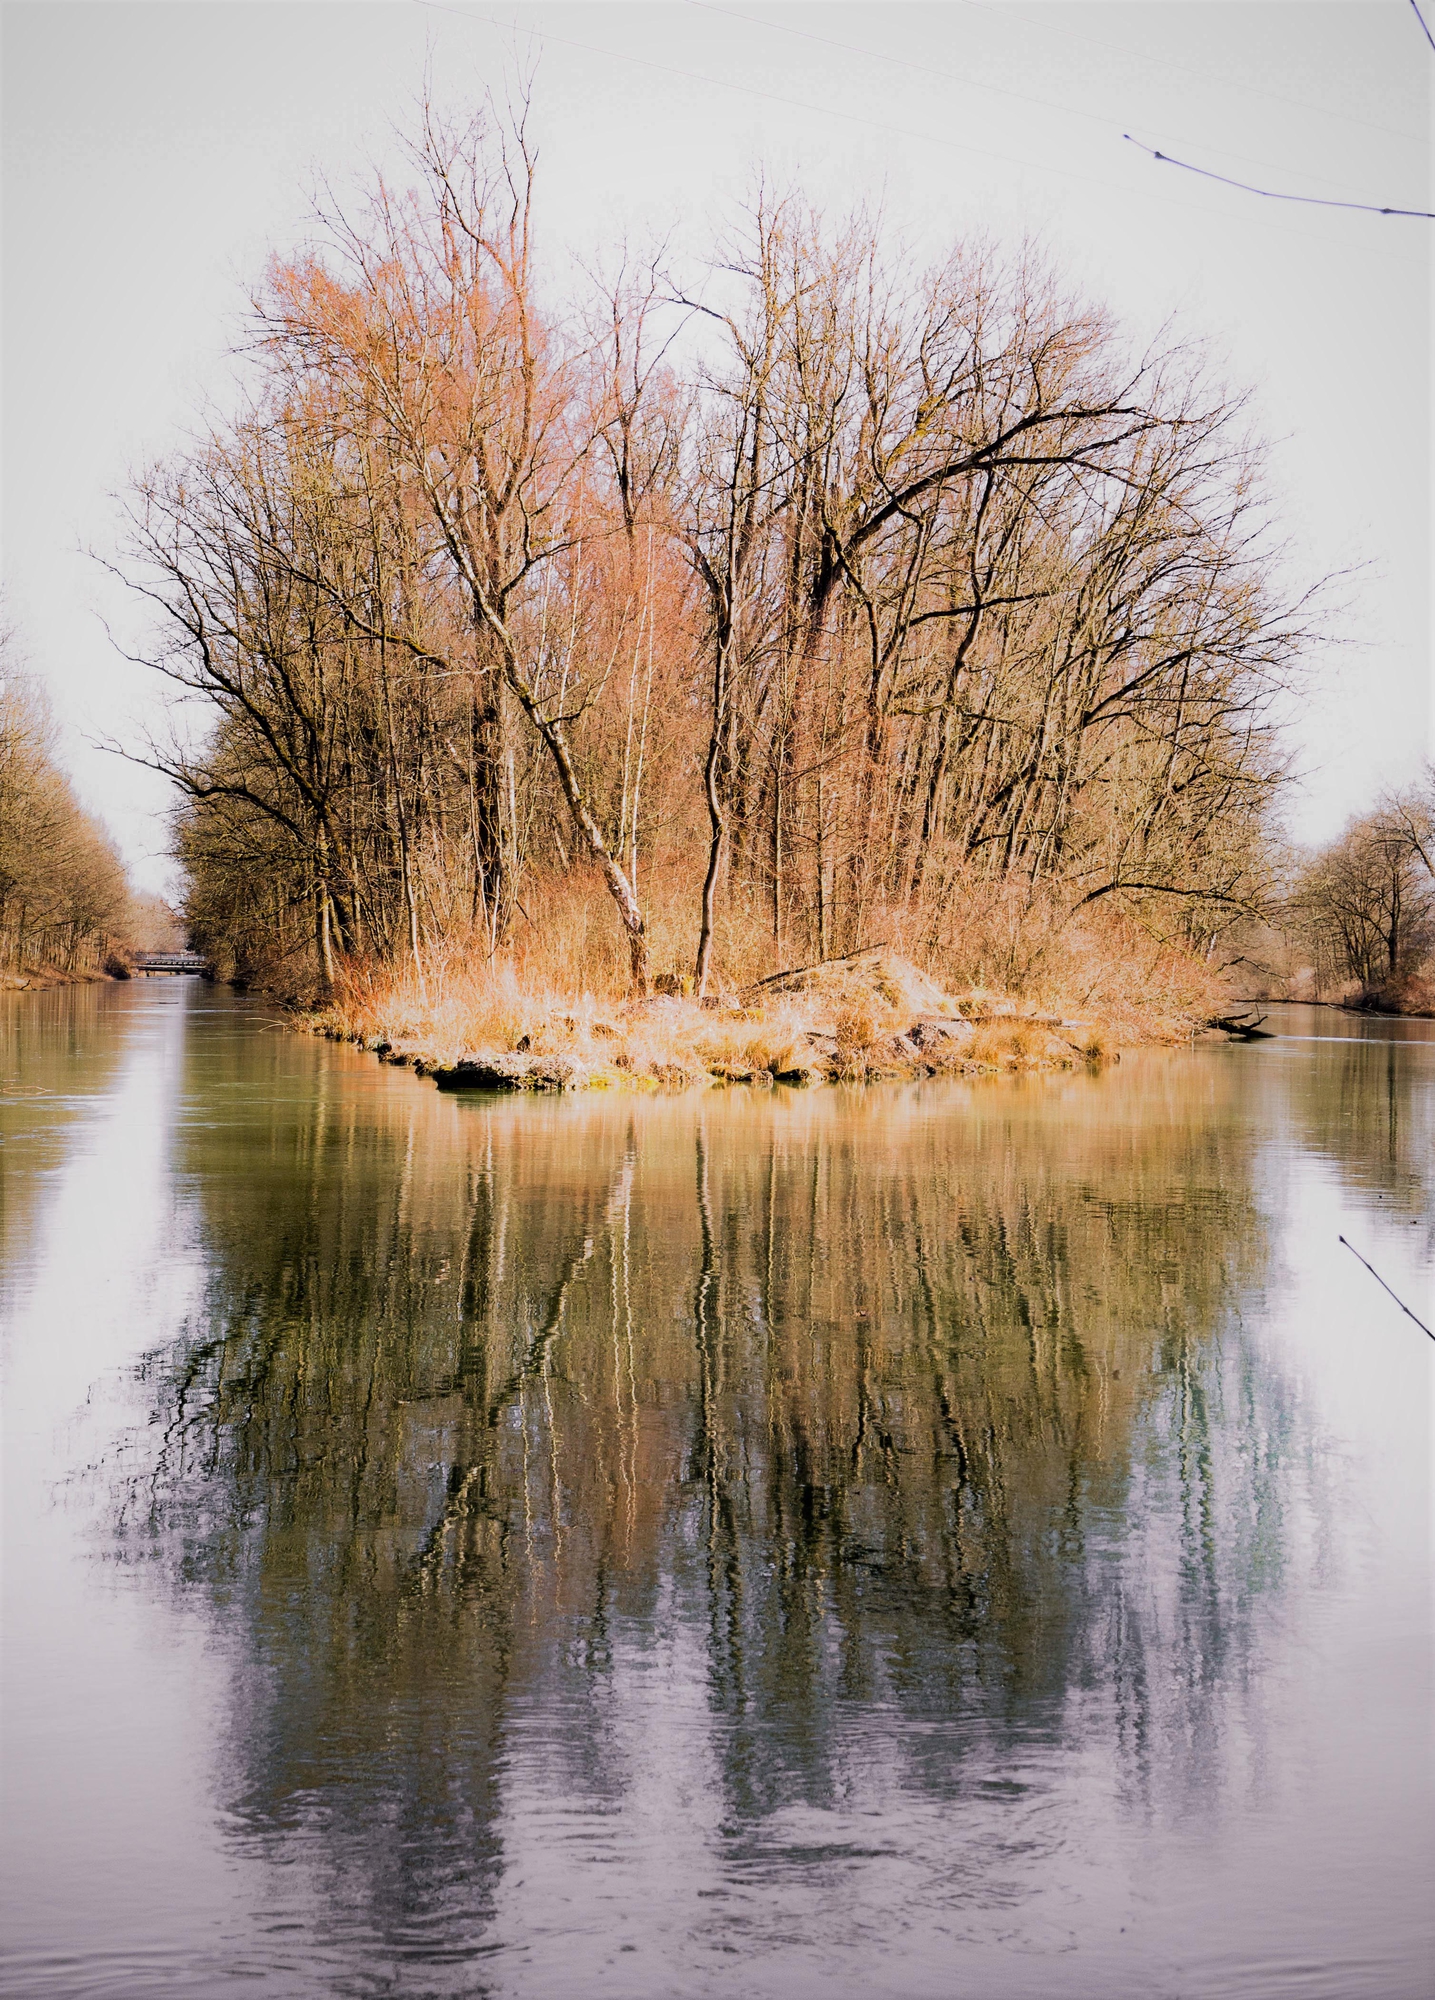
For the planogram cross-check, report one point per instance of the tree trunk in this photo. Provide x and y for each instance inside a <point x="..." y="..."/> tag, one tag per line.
<point x="619" y="887"/>
<point x="325" y="938"/>
<point x="717" y="818"/>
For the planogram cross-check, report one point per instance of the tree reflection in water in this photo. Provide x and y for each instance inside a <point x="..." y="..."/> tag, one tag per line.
<point x="58" y="1050"/>
<point x="919" y="1423"/>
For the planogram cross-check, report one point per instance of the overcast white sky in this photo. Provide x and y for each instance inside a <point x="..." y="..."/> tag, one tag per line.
<point x="152" y="153"/>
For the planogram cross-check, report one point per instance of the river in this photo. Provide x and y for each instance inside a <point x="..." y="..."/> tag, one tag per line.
<point x="957" y="1539"/>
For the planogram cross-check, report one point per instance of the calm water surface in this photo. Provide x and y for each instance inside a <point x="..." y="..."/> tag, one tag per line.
<point x="952" y="1540"/>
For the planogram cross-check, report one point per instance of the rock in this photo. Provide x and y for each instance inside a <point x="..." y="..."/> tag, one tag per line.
<point x="512" y="1072"/>
<point x="558" y="1073"/>
<point x="933" y="1033"/>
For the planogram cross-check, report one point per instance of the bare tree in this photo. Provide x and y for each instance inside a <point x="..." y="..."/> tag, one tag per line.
<point x="852" y="596"/>
<point x="430" y="333"/>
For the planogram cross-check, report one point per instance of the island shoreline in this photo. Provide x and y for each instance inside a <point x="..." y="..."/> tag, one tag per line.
<point x="884" y="1020"/>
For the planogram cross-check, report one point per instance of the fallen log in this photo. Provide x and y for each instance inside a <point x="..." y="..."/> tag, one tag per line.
<point x="1243" y="1030"/>
<point x="801" y="971"/>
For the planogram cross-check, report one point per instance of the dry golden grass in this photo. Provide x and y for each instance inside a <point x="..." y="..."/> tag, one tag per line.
<point x="1409" y="993"/>
<point x="1010" y="965"/>
<point x="873" y="1016"/>
<point x="34" y="978"/>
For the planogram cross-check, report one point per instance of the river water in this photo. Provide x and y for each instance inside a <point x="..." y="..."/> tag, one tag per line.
<point x="963" y="1540"/>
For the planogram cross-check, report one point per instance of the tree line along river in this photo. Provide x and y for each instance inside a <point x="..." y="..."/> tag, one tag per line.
<point x="963" y="1539"/>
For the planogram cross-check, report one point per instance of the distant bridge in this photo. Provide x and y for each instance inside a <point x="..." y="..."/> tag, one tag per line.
<point x="170" y="961"/>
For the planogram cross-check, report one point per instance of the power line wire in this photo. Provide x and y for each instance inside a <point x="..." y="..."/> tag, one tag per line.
<point x="768" y="96"/>
<point x="1274" y="194"/>
<point x="1380" y="1281"/>
<point x="900" y="62"/>
<point x="773" y="97"/>
<point x="821" y="110"/>
<point x="1204" y="75"/>
<point x="1099" y="118"/>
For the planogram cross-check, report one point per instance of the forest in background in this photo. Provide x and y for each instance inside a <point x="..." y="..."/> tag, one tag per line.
<point x="67" y="908"/>
<point x="645" y="628"/>
<point x="1356" y="921"/>
<point x="64" y="900"/>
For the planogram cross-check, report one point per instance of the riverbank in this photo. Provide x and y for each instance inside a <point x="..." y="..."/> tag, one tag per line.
<point x="38" y="978"/>
<point x="864" y="1019"/>
<point x="1411" y="999"/>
